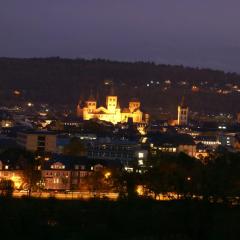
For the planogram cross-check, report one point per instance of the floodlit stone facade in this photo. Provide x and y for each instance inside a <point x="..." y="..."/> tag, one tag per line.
<point x="112" y="112"/>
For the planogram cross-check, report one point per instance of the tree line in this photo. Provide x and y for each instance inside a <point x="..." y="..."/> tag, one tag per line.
<point x="183" y="177"/>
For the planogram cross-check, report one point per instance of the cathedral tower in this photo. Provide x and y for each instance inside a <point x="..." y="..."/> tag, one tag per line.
<point x="134" y="104"/>
<point x="111" y="101"/>
<point x="182" y="114"/>
<point x="91" y="103"/>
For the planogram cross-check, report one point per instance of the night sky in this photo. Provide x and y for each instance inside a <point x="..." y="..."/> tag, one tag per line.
<point x="203" y="33"/>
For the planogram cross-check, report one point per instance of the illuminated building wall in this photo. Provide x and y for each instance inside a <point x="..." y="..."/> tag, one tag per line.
<point x="57" y="177"/>
<point x="112" y="112"/>
<point x="15" y="175"/>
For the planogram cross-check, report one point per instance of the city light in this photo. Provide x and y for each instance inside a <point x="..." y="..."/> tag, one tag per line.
<point x="30" y="104"/>
<point x="140" y="162"/>
<point x="107" y="175"/>
<point x="140" y="190"/>
<point x="7" y="125"/>
<point x="17" y="180"/>
<point x="16" y="92"/>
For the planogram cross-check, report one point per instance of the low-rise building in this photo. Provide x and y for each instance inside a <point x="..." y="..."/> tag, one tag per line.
<point x="208" y="140"/>
<point x="40" y="141"/>
<point x="171" y="143"/>
<point x="11" y="170"/>
<point x="63" y="173"/>
<point x="202" y="152"/>
<point x="114" y="149"/>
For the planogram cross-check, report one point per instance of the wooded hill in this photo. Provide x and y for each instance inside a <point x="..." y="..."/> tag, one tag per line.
<point x="64" y="81"/>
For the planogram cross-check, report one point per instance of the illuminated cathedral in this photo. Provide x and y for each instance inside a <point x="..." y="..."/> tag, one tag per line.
<point x="112" y="112"/>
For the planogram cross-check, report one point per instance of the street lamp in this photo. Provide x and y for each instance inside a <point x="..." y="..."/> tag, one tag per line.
<point x="107" y="175"/>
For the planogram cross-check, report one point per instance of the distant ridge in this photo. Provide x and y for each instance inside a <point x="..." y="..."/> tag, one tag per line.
<point x="59" y="80"/>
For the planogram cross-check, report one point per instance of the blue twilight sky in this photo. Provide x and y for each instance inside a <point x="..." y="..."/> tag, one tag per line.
<point x="203" y="33"/>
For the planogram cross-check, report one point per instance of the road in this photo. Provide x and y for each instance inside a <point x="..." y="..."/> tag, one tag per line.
<point x="69" y="195"/>
<point x="112" y="196"/>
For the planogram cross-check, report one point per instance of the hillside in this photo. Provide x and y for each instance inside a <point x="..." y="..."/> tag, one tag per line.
<point x="64" y="81"/>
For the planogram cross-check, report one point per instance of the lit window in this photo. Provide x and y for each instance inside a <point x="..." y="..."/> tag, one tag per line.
<point x="140" y="155"/>
<point x="128" y="169"/>
<point x="82" y="167"/>
<point x="57" y="166"/>
<point x="140" y="162"/>
<point x="56" y="180"/>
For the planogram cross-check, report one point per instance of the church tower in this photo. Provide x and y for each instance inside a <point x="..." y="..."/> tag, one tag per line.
<point x="182" y="114"/>
<point x="89" y="108"/>
<point x="111" y="101"/>
<point x="91" y="103"/>
<point x="134" y="104"/>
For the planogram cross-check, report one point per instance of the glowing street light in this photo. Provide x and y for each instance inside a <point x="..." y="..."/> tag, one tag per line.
<point x="17" y="92"/>
<point x="30" y="104"/>
<point x="139" y="190"/>
<point x="107" y="175"/>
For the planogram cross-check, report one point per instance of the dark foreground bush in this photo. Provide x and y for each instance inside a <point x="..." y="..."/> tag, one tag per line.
<point x="139" y="219"/>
